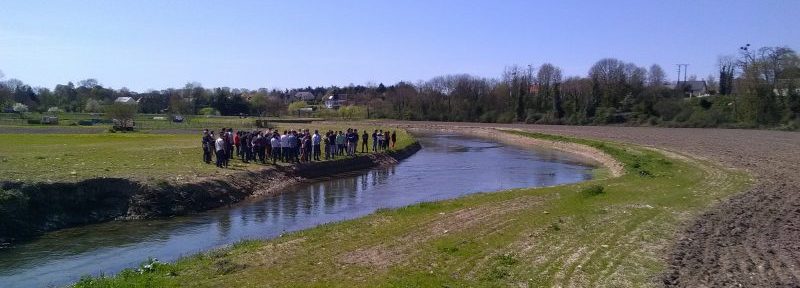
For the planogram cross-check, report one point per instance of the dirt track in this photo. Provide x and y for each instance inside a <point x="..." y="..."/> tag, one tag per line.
<point x="749" y="240"/>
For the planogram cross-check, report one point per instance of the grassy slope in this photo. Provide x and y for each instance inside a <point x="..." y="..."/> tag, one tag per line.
<point x="53" y="157"/>
<point x="539" y="237"/>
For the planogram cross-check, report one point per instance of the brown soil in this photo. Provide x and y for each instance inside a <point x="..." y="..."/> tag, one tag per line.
<point x="751" y="239"/>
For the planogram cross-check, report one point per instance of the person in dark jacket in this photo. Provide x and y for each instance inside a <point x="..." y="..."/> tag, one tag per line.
<point x="246" y="147"/>
<point x="386" y="139"/>
<point x="229" y="143"/>
<point x="207" y="142"/>
<point x="364" y="140"/>
<point x="375" y="140"/>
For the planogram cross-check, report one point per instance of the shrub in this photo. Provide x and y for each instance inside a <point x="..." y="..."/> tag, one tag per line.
<point x="605" y="115"/>
<point x="593" y="190"/>
<point x="533" y="117"/>
<point x="20" y="108"/>
<point x="488" y="117"/>
<point x="506" y="117"/>
<point x="668" y="108"/>
<point x="208" y="111"/>
<point x="549" y="118"/>
<point x="652" y="121"/>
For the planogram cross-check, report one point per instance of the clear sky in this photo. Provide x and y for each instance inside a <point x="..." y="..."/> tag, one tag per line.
<point x="284" y="44"/>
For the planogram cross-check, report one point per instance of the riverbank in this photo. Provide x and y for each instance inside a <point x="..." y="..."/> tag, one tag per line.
<point x="30" y="209"/>
<point x="605" y="232"/>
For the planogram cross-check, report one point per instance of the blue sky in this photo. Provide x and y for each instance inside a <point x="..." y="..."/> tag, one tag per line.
<point x="283" y="44"/>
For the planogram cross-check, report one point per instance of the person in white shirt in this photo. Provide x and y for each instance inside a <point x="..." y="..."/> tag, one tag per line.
<point x="285" y="146"/>
<point x="315" y="141"/>
<point x="219" y="145"/>
<point x="276" y="147"/>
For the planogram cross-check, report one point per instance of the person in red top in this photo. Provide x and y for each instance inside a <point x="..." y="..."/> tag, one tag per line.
<point x="236" y="141"/>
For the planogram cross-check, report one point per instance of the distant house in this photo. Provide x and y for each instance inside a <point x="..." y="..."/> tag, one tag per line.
<point x="691" y="88"/>
<point x="304" y="96"/>
<point x="126" y="100"/>
<point x="783" y="86"/>
<point x="335" y="101"/>
<point x="533" y="89"/>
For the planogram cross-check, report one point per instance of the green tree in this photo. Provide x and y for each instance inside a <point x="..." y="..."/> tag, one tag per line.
<point x="123" y="114"/>
<point x="92" y="106"/>
<point x="296" y="106"/>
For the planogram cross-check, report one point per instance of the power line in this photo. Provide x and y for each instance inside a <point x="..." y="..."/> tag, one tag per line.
<point x="685" y="70"/>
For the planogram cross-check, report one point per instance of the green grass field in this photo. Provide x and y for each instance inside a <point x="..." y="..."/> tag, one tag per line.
<point x="147" y="121"/>
<point x="140" y="156"/>
<point x="600" y="233"/>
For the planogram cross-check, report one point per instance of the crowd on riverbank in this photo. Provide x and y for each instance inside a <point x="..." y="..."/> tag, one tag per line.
<point x="291" y="146"/>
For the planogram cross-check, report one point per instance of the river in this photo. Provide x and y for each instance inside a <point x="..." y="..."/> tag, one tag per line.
<point x="448" y="166"/>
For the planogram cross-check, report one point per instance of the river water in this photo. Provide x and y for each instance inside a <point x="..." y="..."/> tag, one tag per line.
<point x="447" y="167"/>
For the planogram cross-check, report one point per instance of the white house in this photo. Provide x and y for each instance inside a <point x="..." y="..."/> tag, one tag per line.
<point x="126" y="100"/>
<point x="335" y="101"/>
<point x="691" y="88"/>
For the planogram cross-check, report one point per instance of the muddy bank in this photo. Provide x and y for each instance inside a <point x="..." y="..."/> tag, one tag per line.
<point x="29" y="210"/>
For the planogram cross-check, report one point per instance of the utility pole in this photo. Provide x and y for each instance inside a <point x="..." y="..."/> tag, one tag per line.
<point x="685" y="69"/>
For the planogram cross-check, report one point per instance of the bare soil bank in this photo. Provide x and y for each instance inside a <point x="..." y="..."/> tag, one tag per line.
<point x="749" y="240"/>
<point x="31" y="209"/>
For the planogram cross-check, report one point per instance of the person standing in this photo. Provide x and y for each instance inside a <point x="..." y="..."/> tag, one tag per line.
<point x="394" y="138"/>
<point x="380" y="140"/>
<point x="375" y="140"/>
<point x="340" y="143"/>
<point x="316" y="141"/>
<point x="237" y="142"/>
<point x="260" y="146"/>
<point x="355" y="142"/>
<point x="386" y="137"/>
<point x="275" y="141"/>
<point x="245" y="141"/>
<point x="332" y="143"/>
<point x="308" y="148"/>
<point x="292" y="142"/>
<point x="229" y="143"/>
<point x="219" y="146"/>
<point x="204" y="145"/>
<point x="364" y="140"/>
<point x="268" y="143"/>
<point x="284" y="146"/>
<point x="299" y="142"/>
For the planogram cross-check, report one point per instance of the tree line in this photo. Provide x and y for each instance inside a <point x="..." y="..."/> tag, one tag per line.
<point x="754" y="88"/>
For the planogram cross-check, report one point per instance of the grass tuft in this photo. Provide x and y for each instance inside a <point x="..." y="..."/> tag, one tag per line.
<point x="593" y="190"/>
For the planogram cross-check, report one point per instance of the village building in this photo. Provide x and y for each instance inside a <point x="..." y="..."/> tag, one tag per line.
<point x="304" y="96"/>
<point x="126" y="100"/>
<point x="691" y="88"/>
<point x="335" y="101"/>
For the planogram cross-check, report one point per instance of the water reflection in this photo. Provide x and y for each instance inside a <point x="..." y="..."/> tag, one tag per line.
<point x="447" y="167"/>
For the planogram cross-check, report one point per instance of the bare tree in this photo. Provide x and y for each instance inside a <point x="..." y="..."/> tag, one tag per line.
<point x="88" y="83"/>
<point x="549" y="80"/>
<point x="727" y="69"/>
<point x="656" y="76"/>
<point x="608" y="78"/>
<point x="712" y="84"/>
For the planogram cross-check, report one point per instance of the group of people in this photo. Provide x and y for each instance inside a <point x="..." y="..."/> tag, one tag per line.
<point x="291" y="146"/>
